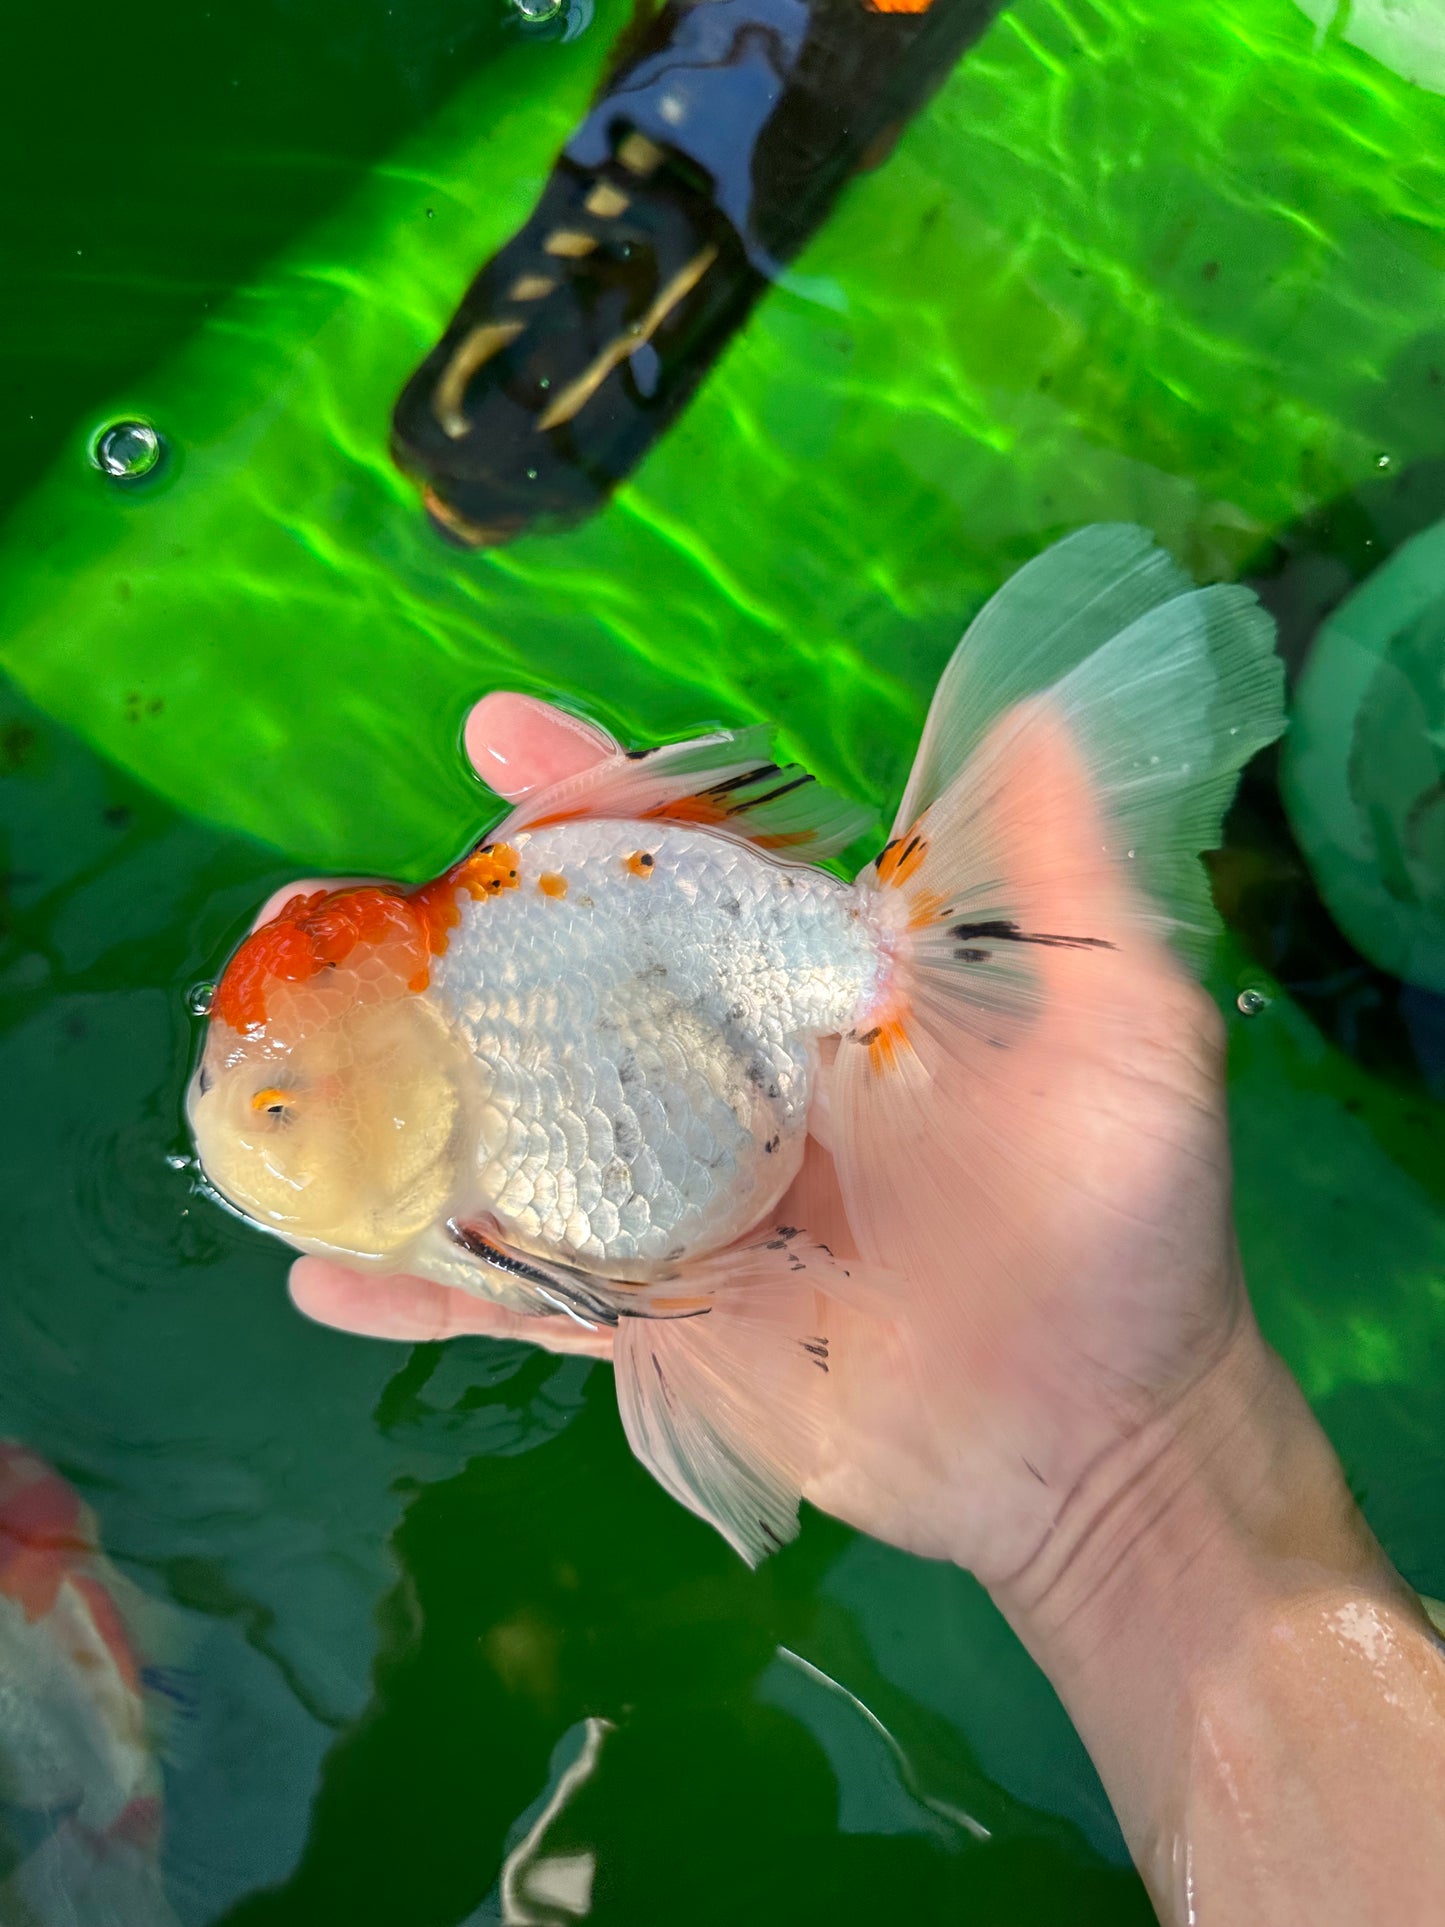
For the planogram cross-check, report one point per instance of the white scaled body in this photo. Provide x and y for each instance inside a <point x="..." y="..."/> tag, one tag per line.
<point x="646" y="1030"/>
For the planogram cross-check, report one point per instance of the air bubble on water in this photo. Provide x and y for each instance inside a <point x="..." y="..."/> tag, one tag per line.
<point x="199" y="999"/>
<point x="126" y="450"/>
<point x="531" y="474"/>
<point x="536" y="13"/>
<point x="544" y="382"/>
<point x="178" y="1161"/>
<point x="1251" y="1002"/>
<point x="1382" y="461"/>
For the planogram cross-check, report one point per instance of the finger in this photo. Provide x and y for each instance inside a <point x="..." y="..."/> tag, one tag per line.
<point x="518" y="745"/>
<point x="418" y="1311"/>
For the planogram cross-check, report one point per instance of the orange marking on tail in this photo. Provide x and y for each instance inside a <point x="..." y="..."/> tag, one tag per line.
<point x="885" y="1043"/>
<point x="552" y="885"/>
<point x="924" y="908"/>
<point x="898" y="6"/>
<point x="640" y="863"/>
<point x="901" y="858"/>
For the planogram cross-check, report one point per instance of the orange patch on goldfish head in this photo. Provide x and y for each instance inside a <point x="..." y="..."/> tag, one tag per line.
<point x="330" y="929"/>
<point x="322" y="932"/>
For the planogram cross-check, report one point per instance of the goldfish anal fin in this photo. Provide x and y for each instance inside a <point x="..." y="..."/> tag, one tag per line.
<point x="727" y="1410"/>
<point x="726" y="782"/>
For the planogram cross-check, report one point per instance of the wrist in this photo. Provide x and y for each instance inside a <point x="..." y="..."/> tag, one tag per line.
<point x="1178" y="1561"/>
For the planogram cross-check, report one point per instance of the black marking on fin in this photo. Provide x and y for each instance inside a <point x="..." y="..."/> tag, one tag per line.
<point x="1006" y="932"/>
<point x="759" y="773"/>
<point x="783" y="789"/>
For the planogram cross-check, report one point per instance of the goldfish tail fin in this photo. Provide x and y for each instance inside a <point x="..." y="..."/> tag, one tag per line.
<point x="1081" y="750"/>
<point x="1165" y="691"/>
<point x="725" y="1408"/>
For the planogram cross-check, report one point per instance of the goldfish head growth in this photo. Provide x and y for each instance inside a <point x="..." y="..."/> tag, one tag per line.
<point x="333" y="1103"/>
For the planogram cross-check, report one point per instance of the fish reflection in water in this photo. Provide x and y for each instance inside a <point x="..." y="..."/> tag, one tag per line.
<point x="716" y="148"/>
<point x="81" y="1715"/>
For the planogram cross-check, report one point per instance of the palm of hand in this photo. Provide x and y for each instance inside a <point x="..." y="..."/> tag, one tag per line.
<point x="1093" y="1278"/>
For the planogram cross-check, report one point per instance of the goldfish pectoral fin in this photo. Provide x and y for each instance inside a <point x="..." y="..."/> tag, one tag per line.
<point x="475" y="1255"/>
<point x="726" y="782"/>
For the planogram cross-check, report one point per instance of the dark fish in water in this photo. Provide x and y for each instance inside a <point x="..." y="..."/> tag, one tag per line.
<point x="717" y="147"/>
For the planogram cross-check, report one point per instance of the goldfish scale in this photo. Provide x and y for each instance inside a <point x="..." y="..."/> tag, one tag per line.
<point x="647" y="1034"/>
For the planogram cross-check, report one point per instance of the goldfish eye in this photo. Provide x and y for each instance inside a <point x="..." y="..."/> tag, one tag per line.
<point x="272" y="1102"/>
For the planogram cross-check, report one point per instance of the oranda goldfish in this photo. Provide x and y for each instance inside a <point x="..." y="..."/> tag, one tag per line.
<point x="81" y="1716"/>
<point x="577" y="1072"/>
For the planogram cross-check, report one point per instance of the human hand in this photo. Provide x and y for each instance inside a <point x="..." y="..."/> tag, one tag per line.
<point x="1129" y="1291"/>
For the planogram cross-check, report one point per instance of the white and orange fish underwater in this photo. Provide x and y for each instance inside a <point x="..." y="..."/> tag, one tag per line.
<point x="580" y="1073"/>
<point x="84" y="1710"/>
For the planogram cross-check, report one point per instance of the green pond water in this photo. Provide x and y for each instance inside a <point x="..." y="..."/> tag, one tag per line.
<point x="1182" y="265"/>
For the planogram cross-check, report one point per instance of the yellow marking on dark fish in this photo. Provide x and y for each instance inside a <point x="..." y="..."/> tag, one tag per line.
<point x="639" y="155"/>
<point x="473" y="353"/>
<point x="575" y="396"/>
<point x="605" y="201"/>
<point x="531" y="287"/>
<point x="552" y="885"/>
<point x="569" y="243"/>
<point x="640" y="863"/>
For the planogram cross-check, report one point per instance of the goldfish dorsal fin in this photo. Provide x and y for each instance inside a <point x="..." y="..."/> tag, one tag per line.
<point x="726" y="782"/>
